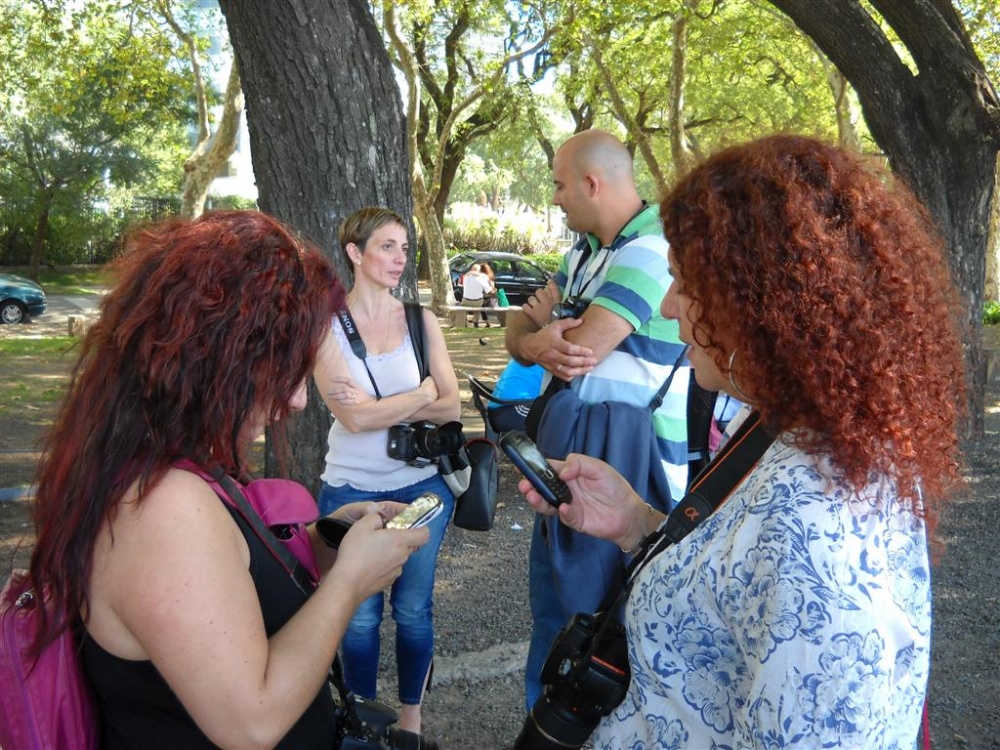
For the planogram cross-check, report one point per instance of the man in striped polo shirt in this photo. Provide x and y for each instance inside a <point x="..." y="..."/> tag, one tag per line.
<point x="619" y="349"/>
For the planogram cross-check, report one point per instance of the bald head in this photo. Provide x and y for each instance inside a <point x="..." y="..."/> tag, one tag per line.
<point x="598" y="152"/>
<point x="594" y="184"/>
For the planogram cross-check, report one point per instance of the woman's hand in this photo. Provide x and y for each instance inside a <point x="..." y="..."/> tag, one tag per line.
<point x="604" y="504"/>
<point x="342" y="389"/>
<point x="429" y="388"/>
<point x="353" y="512"/>
<point x="371" y="557"/>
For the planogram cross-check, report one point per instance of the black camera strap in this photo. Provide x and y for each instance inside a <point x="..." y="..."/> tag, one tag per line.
<point x="415" y="326"/>
<point x="357" y="345"/>
<point x="657" y="400"/>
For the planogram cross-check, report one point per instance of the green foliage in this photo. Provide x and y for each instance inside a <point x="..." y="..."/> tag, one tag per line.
<point x="487" y="236"/>
<point x="549" y="260"/>
<point x="90" y="96"/>
<point x="991" y="313"/>
<point x="230" y="202"/>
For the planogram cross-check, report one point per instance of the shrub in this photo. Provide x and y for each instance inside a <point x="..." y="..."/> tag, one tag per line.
<point x="487" y="237"/>
<point x="991" y="313"/>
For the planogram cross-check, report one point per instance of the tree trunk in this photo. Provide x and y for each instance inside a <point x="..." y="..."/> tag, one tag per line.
<point x="204" y="164"/>
<point x="682" y="156"/>
<point x="327" y="137"/>
<point x="940" y="129"/>
<point x="38" y="244"/>
<point x="991" y="291"/>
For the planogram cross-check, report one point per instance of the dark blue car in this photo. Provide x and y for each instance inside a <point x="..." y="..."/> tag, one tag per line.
<point x="20" y="298"/>
<point x="515" y="274"/>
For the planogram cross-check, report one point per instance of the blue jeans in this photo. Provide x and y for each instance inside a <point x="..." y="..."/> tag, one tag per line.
<point x="547" y="617"/>
<point x="411" y="595"/>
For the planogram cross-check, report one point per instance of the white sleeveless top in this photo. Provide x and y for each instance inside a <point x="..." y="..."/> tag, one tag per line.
<point x="360" y="459"/>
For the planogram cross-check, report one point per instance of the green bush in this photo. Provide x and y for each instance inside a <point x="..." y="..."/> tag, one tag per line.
<point x="487" y="237"/>
<point x="991" y="313"/>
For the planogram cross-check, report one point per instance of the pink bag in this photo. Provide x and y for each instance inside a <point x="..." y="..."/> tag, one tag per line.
<point x="285" y="507"/>
<point x="45" y="703"/>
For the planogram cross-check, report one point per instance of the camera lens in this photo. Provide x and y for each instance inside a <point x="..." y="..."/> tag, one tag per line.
<point x="441" y="441"/>
<point x="400" y="739"/>
<point x="550" y="726"/>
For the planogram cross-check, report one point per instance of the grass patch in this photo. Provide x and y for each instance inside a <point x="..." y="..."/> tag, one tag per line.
<point x="73" y="280"/>
<point x="68" y="279"/>
<point x="55" y="345"/>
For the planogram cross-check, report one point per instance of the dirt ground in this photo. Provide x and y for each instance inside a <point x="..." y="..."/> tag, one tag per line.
<point x="482" y="617"/>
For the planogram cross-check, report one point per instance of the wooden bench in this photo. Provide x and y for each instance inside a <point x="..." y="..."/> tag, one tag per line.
<point x="459" y="314"/>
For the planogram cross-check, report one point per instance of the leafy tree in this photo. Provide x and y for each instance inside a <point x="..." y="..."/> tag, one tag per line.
<point x="931" y="107"/>
<point x="70" y="123"/>
<point x="452" y="103"/>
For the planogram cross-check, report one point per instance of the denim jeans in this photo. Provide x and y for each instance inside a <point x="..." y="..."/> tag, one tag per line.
<point x="411" y="593"/>
<point x="547" y="617"/>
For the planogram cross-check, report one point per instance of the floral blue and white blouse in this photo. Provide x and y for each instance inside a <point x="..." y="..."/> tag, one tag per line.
<point x="798" y="615"/>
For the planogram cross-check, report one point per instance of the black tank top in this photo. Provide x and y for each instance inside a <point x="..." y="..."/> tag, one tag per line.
<point x="138" y="708"/>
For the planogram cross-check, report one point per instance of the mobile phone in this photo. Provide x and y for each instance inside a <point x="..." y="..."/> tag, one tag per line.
<point x="332" y="531"/>
<point x="419" y="513"/>
<point x="529" y="461"/>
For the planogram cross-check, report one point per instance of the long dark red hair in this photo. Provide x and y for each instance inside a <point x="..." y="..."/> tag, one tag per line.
<point x="830" y="278"/>
<point x="208" y="321"/>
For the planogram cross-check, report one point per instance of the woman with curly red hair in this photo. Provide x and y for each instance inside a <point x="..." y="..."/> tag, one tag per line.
<point x="812" y="286"/>
<point x="193" y="635"/>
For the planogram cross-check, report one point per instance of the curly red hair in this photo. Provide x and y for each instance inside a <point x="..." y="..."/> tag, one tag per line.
<point x="209" y="321"/>
<point x="830" y="277"/>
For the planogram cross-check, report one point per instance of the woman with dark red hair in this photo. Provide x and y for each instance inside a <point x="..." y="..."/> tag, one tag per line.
<point x="193" y="634"/>
<point x="810" y="285"/>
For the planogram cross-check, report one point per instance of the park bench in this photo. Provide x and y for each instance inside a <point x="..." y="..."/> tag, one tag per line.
<point x="459" y="314"/>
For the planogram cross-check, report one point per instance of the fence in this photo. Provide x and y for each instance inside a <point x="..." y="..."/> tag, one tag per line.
<point x="89" y="236"/>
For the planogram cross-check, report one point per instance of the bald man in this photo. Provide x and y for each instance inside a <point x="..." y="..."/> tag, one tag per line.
<point x="620" y="349"/>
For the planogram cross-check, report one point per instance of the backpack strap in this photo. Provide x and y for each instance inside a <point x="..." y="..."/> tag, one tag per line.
<point x="418" y="336"/>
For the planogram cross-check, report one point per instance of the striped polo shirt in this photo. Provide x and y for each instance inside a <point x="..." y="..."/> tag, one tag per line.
<point x="630" y="277"/>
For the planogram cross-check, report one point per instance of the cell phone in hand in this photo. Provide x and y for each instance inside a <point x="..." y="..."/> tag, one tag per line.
<point x="419" y="513"/>
<point x="522" y="450"/>
<point x="332" y="531"/>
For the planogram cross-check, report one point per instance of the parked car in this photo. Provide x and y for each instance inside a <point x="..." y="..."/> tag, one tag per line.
<point x="20" y="298"/>
<point x="515" y="274"/>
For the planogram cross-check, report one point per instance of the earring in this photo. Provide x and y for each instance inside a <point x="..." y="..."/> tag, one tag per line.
<point x="743" y="395"/>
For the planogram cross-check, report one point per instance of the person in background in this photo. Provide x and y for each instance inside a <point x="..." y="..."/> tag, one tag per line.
<point x="367" y="397"/>
<point x="811" y="285"/>
<point x="476" y="288"/>
<point x="619" y="349"/>
<point x="193" y="634"/>
<point x="490" y="297"/>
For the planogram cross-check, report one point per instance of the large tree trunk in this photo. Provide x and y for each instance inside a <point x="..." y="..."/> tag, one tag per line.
<point x="940" y="129"/>
<point x="38" y="243"/>
<point x="327" y="137"/>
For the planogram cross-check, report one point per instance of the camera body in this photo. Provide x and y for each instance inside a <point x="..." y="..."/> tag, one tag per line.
<point x="369" y="725"/>
<point x="419" y="443"/>
<point x="586" y="675"/>
<point x="571" y="307"/>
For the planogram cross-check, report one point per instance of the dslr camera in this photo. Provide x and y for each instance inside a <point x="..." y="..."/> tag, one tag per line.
<point x="419" y="443"/>
<point x="585" y="676"/>
<point x="571" y="307"/>
<point x="368" y="724"/>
